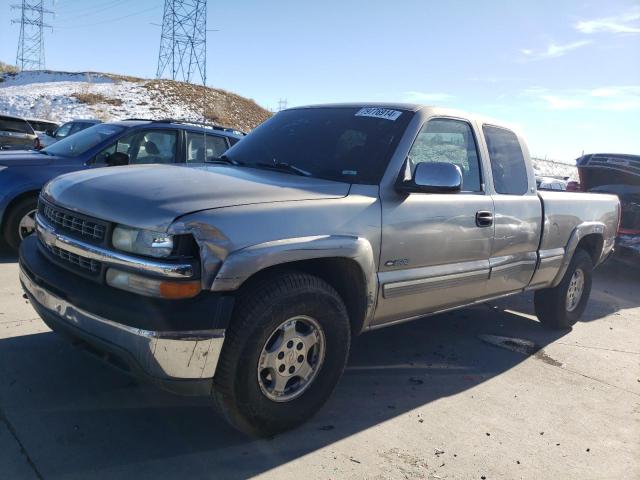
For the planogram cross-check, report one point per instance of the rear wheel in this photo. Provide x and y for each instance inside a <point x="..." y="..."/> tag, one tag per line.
<point x="562" y="306"/>
<point x="20" y="222"/>
<point x="284" y="353"/>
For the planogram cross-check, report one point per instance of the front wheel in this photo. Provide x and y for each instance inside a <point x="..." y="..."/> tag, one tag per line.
<point x="20" y="222"/>
<point x="562" y="306"/>
<point x="284" y="352"/>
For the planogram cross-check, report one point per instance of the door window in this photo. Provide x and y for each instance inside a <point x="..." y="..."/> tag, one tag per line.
<point x="507" y="162"/>
<point x="155" y="146"/>
<point x="203" y="148"/>
<point x="449" y="141"/>
<point x="123" y="145"/>
<point x="63" y="131"/>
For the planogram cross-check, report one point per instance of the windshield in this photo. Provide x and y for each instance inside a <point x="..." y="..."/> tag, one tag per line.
<point x="40" y="126"/>
<point x="337" y="143"/>
<point x="79" y="143"/>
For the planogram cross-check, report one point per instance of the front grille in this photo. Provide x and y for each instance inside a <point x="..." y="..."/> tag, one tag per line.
<point x="84" y="263"/>
<point x="71" y="222"/>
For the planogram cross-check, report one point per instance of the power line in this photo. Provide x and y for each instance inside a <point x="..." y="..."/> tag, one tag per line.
<point x="30" y="55"/>
<point x="183" y="41"/>
<point x="111" y="20"/>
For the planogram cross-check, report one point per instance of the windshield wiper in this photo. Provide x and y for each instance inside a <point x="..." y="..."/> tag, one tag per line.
<point x="223" y="159"/>
<point x="283" y="167"/>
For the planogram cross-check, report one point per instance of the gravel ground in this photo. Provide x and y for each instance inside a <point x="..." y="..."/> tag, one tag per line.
<point x="482" y="393"/>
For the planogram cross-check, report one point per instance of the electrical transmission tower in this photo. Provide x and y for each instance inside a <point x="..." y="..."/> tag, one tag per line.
<point x="30" y="54"/>
<point x="183" y="42"/>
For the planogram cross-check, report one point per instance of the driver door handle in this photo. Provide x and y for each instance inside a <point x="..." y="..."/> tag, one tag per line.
<point x="484" y="218"/>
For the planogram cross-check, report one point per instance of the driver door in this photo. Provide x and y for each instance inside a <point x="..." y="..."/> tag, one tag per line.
<point x="436" y="246"/>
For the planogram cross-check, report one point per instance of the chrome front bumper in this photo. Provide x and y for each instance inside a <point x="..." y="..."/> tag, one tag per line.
<point x="189" y="355"/>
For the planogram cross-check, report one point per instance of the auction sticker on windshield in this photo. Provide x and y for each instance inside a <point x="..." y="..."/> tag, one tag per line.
<point x="377" y="112"/>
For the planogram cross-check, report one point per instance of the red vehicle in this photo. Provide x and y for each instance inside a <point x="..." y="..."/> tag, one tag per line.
<point x="618" y="174"/>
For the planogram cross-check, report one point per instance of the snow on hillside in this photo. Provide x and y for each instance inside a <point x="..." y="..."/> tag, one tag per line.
<point x="63" y="96"/>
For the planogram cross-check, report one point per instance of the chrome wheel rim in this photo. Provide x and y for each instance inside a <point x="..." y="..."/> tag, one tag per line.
<point x="574" y="292"/>
<point x="291" y="358"/>
<point x="27" y="224"/>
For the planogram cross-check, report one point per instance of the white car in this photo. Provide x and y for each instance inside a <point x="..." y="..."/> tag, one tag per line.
<point x="41" y="127"/>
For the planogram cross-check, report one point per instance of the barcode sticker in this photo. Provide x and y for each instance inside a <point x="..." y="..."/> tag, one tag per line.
<point x="377" y="112"/>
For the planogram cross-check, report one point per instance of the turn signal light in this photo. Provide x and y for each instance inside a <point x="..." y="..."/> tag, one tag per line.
<point x="152" y="287"/>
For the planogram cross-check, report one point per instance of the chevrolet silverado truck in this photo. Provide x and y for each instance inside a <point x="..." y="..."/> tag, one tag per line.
<point x="246" y="278"/>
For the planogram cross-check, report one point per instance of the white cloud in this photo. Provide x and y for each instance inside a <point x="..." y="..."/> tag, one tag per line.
<point x="625" y="23"/>
<point x="553" y="50"/>
<point x="421" y="97"/>
<point x="621" y="98"/>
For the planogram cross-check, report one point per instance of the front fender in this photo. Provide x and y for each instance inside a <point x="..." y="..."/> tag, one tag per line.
<point x="243" y="263"/>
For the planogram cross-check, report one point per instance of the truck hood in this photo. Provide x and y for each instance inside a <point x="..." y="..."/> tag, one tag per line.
<point x="24" y="158"/>
<point x="153" y="196"/>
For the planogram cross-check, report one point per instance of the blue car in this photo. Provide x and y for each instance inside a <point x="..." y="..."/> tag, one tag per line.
<point x="129" y="142"/>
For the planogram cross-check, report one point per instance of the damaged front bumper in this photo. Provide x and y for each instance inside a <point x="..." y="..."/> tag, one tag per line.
<point x="181" y="361"/>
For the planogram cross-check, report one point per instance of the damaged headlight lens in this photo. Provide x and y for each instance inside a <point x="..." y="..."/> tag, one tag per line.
<point x="142" y="242"/>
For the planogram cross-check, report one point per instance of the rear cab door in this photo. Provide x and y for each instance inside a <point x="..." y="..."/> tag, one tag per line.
<point x="435" y="247"/>
<point x="517" y="210"/>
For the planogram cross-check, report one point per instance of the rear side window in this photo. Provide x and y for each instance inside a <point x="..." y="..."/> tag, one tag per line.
<point x="15" y="125"/>
<point x="507" y="162"/>
<point x="203" y="148"/>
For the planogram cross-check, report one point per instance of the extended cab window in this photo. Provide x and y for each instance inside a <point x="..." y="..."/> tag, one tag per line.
<point x="507" y="162"/>
<point x="449" y="141"/>
<point x="202" y="148"/>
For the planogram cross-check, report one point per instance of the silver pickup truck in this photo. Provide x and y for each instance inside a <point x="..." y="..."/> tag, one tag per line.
<point x="246" y="278"/>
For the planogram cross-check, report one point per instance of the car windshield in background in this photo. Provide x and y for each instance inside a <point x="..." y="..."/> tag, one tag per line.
<point x="78" y="143"/>
<point x="15" y="125"/>
<point x="339" y="143"/>
<point x="42" y="126"/>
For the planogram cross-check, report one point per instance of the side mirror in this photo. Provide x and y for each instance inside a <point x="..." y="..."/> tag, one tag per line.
<point x="116" y="159"/>
<point x="434" y="177"/>
<point x="50" y="132"/>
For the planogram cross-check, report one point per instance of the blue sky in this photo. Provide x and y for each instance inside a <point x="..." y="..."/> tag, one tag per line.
<point x="566" y="72"/>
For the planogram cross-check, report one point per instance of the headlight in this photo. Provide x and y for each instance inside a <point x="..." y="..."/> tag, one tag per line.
<point x="143" y="242"/>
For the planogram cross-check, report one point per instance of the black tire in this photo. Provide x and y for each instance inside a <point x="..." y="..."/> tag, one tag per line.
<point x="12" y="221"/>
<point x="261" y="308"/>
<point x="551" y="303"/>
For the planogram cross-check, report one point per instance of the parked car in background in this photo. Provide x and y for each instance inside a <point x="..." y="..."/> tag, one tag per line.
<point x="41" y="127"/>
<point x="69" y="128"/>
<point x="22" y="174"/>
<point x="246" y="279"/>
<point x="550" y="183"/>
<point x="17" y="134"/>
<point x="620" y="175"/>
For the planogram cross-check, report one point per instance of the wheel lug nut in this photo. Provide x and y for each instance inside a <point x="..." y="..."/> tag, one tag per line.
<point x="281" y="368"/>
<point x="300" y="358"/>
<point x="290" y="344"/>
<point x="292" y="369"/>
<point x="299" y="346"/>
<point x="280" y="355"/>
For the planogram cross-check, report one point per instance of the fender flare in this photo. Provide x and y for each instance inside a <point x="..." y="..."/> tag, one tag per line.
<point x="578" y="233"/>
<point x="243" y="263"/>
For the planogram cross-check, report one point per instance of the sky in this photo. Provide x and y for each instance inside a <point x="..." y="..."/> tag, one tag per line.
<point x="566" y="73"/>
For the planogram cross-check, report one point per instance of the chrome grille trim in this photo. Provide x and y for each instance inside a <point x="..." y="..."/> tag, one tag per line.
<point x="49" y="237"/>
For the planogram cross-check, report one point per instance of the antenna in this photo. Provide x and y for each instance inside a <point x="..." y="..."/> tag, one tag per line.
<point x="282" y="104"/>
<point x="183" y="41"/>
<point x="30" y="54"/>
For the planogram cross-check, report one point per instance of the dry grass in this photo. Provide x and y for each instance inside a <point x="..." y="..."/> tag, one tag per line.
<point x="91" y="98"/>
<point x="6" y="68"/>
<point x="219" y="106"/>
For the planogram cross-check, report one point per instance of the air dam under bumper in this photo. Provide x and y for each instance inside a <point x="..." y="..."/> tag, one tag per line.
<point x="183" y="362"/>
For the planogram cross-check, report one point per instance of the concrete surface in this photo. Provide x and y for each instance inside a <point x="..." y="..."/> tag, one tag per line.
<point x="430" y="399"/>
